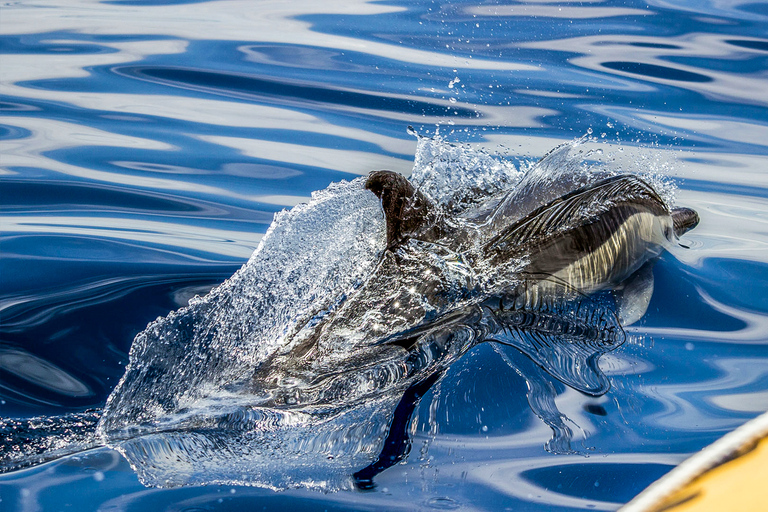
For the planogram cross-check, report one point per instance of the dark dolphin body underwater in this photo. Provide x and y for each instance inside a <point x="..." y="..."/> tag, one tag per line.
<point x="296" y="380"/>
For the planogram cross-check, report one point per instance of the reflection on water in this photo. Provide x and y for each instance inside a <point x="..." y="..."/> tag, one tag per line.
<point x="145" y="147"/>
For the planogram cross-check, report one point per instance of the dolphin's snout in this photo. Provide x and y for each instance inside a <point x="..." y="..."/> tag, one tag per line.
<point x="684" y="220"/>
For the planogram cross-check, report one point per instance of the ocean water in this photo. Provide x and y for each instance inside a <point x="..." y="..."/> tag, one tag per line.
<point x="146" y="147"/>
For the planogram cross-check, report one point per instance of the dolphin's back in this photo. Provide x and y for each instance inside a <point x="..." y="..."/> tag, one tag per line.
<point x="592" y="237"/>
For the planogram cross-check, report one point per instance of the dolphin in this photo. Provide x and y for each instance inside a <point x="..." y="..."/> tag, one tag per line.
<point x="526" y="268"/>
<point x="520" y="268"/>
<point x="506" y="257"/>
<point x="594" y="236"/>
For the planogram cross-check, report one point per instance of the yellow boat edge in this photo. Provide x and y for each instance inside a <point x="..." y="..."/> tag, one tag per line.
<point x="729" y="474"/>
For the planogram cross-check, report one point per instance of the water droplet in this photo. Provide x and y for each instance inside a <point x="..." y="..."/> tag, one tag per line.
<point x="443" y="503"/>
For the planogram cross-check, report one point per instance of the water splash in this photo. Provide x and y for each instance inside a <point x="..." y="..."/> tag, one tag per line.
<point x="456" y="176"/>
<point x="309" y="259"/>
<point x="293" y="372"/>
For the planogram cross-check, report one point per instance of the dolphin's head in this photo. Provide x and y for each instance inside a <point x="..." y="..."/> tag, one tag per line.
<point x="684" y="220"/>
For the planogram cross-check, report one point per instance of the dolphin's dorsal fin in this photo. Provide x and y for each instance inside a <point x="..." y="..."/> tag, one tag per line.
<point x="408" y="212"/>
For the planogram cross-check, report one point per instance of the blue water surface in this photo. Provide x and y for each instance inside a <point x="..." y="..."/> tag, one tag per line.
<point x="146" y="146"/>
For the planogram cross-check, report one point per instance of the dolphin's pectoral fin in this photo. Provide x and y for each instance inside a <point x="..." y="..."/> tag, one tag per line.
<point x="408" y="212"/>
<point x="565" y="337"/>
<point x="635" y="294"/>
